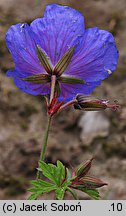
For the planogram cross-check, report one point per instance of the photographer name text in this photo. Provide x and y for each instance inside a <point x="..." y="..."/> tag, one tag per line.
<point x="42" y="207"/>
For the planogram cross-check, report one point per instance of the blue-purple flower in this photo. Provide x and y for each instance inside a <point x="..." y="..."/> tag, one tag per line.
<point x="58" y="44"/>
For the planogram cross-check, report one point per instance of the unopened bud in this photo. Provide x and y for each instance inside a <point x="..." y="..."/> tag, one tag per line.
<point x="92" y="182"/>
<point x="83" y="169"/>
<point x="91" y="104"/>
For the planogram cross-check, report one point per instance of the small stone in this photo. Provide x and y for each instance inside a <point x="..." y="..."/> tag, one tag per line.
<point x="93" y="125"/>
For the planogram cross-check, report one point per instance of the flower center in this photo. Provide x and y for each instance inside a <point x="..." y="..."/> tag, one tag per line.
<point x="56" y="70"/>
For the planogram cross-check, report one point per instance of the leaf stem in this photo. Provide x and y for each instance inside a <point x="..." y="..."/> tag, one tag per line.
<point x="42" y="155"/>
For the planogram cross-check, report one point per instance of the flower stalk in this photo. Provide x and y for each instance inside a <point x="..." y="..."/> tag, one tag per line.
<point x="53" y="84"/>
<point x="72" y="102"/>
<point x="46" y="135"/>
<point x="45" y="141"/>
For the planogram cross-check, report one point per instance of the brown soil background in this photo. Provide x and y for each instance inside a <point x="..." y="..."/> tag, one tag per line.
<point x="75" y="136"/>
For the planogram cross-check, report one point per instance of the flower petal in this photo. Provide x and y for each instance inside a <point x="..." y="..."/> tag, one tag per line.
<point x="31" y="88"/>
<point x="58" y="30"/>
<point x="69" y="91"/>
<point x="20" y="42"/>
<point x="96" y="56"/>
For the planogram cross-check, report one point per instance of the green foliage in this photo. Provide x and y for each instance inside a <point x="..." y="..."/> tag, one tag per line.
<point x="34" y="196"/>
<point x="60" y="180"/>
<point x="40" y="187"/>
<point x="73" y="193"/>
<point x="60" y="193"/>
<point x="93" y="193"/>
<point x="56" y="174"/>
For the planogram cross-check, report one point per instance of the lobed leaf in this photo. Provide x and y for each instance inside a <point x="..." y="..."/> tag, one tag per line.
<point x="49" y="171"/>
<point x="40" y="187"/>
<point x="55" y="173"/>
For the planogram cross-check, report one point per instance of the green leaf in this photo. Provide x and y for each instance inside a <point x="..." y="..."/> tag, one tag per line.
<point x="66" y="183"/>
<point x="64" y="61"/>
<point x="93" y="193"/>
<point x="71" y="80"/>
<point x="42" y="190"/>
<point x="73" y="193"/>
<point x="60" y="192"/>
<point x="69" y="175"/>
<point x="40" y="187"/>
<point x="34" y="196"/>
<point x="35" y="190"/>
<point x="55" y="173"/>
<point x="44" y="60"/>
<point x="38" y="79"/>
<point x="43" y="185"/>
<point x="49" y="171"/>
<point x="60" y="172"/>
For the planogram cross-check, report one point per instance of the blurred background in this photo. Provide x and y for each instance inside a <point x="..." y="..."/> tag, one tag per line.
<point x="75" y="135"/>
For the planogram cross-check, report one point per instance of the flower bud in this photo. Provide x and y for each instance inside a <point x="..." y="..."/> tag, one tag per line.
<point x="91" y="182"/>
<point x="83" y="169"/>
<point x="91" y="104"/>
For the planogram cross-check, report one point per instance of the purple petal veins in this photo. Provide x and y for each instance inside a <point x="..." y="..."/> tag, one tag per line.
<point x="95" y="56"/>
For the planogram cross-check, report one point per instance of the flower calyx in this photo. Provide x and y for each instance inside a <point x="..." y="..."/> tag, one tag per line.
<point x="91" y="104"/>
<point x="54" y="106"/>
<point x="56" y="70"/>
